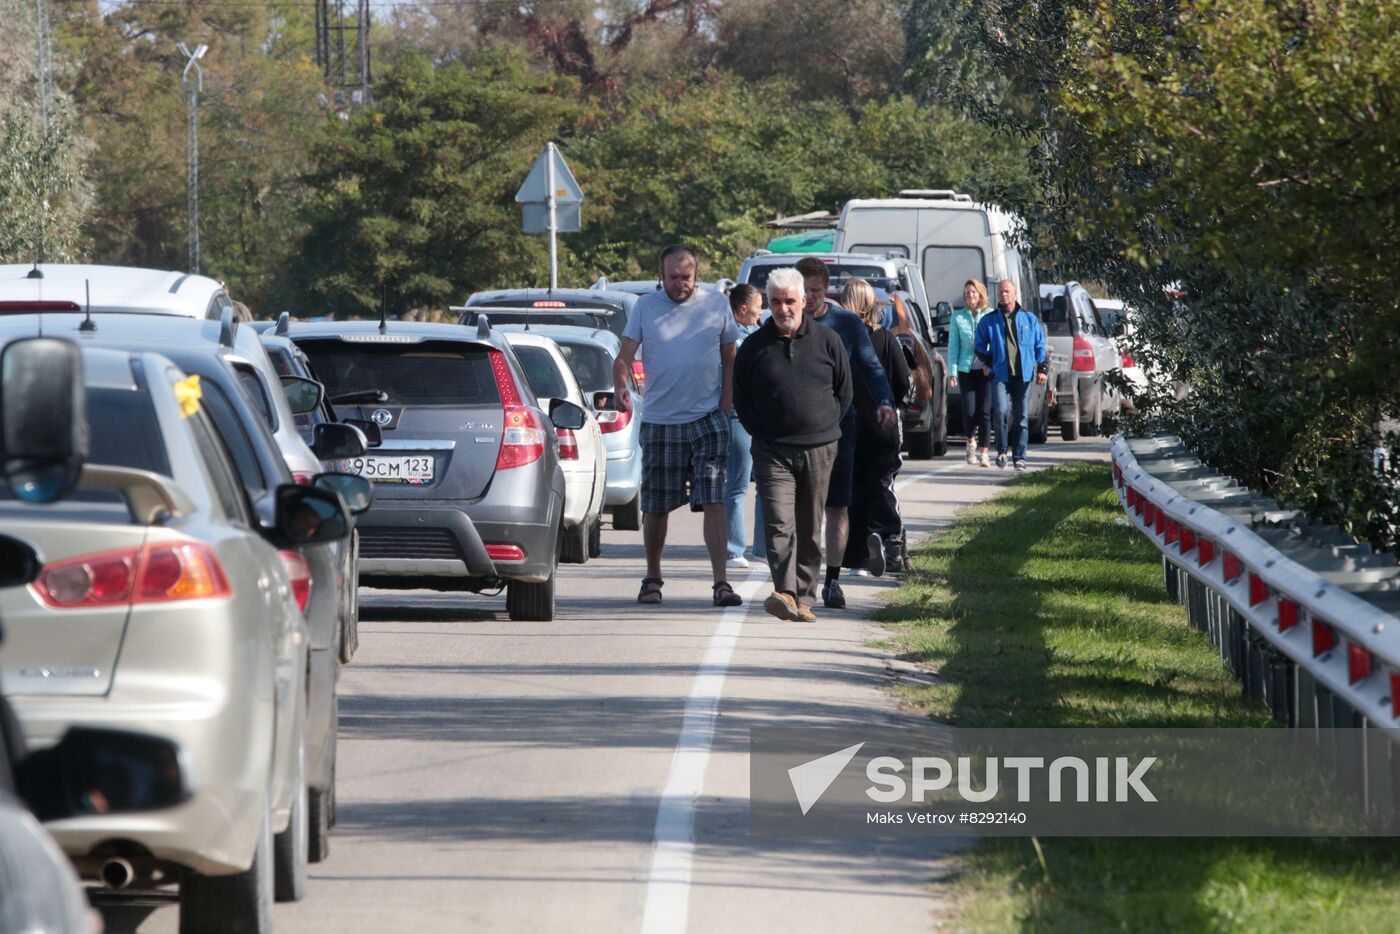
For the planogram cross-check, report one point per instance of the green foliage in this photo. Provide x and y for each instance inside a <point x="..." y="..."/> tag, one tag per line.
<point x="1244" y="151"/>
<point x="413" y="199"/>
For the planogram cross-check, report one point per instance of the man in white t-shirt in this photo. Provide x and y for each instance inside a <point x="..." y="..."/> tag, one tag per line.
<point x="689" y="337"/>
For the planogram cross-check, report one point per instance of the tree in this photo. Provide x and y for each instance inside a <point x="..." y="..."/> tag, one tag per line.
<point x="413" y="200"/>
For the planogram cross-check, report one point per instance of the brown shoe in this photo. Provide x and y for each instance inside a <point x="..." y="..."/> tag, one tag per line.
<point x="805" y="614"/>
<point x="781" y="605"/>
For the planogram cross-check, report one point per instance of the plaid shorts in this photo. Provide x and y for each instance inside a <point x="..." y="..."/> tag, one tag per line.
<point x="675" y="457"/>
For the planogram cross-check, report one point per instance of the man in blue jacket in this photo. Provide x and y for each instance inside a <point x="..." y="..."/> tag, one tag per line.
<point x="1010" y="343"/>
<point x="866" y="367"/>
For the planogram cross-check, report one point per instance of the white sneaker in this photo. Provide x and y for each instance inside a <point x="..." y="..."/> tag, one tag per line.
<point x="737" y="562"/>
<point x="971" y="451"/>
<point x="985" y="460"/>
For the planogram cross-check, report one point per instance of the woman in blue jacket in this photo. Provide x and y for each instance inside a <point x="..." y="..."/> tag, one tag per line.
<point x="967" y="372"/>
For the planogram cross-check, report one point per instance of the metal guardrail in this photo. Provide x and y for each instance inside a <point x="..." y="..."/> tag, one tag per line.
<point x="1307" y="616"/>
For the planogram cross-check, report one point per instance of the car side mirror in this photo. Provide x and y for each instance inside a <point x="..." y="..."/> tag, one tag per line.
<point x="944" y="309"/>
<point x="43" y="417"/>
<point x="940" y="337"/>
<point x="336" y="440"/>
<point x="374" y="435"/>
<point x="100" y="771"/>
<point x="303" y="395"/>
<point x="1120" y="330"/>
<point x="19" y="565"/>
<point x="565" y="414"/>
<point x="307" y="515"/>
<point x="357" y="492"/>
<point x="604" y="401"/>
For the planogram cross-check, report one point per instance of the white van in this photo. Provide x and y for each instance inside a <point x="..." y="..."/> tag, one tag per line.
<point x="952" y="238"/>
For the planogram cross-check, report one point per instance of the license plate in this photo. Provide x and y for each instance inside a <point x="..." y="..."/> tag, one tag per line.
<point x="417" y="470"/>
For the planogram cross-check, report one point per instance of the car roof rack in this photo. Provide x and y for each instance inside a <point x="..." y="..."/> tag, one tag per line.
<point x="483" y="326"/>
<point x="284" y="323"/>
<point x="228" y="326"/>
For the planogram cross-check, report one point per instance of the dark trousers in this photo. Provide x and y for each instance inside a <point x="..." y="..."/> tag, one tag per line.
<point x="976" y="405"/>
<point x="792" y="484"/>
<point x="874" y="507"/>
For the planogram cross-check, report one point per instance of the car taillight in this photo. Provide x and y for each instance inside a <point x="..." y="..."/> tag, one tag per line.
<point x="299" y="573"/>
<point x="505" y="553"/>
<point x="568" y="444"/>
<point x="302" y="479"/>
<point x="547" y="303"/>
<point x="1083" y="355"/>
<point x="610" y="421"/>
<point x="153" y="574"/>
<point x="522" y="439"/>
<point x="20" y="308"/>
<point x="1128" y="362"/>
<point x="639" y="372"/>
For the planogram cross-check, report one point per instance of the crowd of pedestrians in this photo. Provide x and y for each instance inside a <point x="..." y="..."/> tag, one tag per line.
<point x="803" y="404"/>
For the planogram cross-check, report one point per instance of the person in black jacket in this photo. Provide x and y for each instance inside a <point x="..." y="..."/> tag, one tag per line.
<point x="877" y="533"/>
<point x="792" y="387"/>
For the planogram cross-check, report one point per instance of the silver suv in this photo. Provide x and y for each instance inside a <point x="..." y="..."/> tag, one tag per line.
<point x="469" y="493"/>
<point x="1074" y="331"/>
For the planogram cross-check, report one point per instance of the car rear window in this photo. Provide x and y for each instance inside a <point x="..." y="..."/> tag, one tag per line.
<point x="578" y="316"/>
<point x="444" y="373"/>
<point x="542" y="372"/>
<point x="592" y="365"/>
<point x="1056" y="314"/>
<point x="839" y="272"/>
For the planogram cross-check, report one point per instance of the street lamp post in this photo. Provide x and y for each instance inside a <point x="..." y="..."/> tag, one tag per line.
<point x="193" y="85"/>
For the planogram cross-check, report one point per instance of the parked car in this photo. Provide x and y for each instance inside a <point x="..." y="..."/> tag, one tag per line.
<point x="168" y="604"/>
<point x="238" y="402"/>
<point x="893" y="273"/>
<point x="469" y="492"/>
<point x="591" y="354"/>
<point x="1117" y="321"/>
<point x="1073" y="328"/>
<point x="77" y="287"/>
<point x="582" y="455"/>
<point x="605" y="309"/>
<point x="643" y="286"/>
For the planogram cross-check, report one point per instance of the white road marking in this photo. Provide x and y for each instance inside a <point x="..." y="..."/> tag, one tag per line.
<point x="668" y="886"/>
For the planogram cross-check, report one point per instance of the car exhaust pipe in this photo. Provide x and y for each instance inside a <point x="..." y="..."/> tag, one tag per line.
<point x="117" y="874"/>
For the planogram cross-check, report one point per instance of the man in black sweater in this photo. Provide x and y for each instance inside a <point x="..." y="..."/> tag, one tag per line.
<point x="792" y="386"/>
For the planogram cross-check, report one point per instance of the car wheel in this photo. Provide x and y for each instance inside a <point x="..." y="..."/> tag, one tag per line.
<point x="1095" y="424"/>
<point x="575" y="545"/>
<point x="920" y="445"/>
<point x="534" y="602"/>
<point x="237" y="904"/>
<point x="628" y="517"/>
<point x="320" y="807"/>
<point x="350" y="624"/>
<point x="595" y="538"/>
<point x="940" y="439"/>
<point x="1069" y="429"/>
<point x="291" y="847"/>
<point x="1040" y="428"/>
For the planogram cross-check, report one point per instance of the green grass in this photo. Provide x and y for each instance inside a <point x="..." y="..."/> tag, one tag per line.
<point x="1040" y="609"/>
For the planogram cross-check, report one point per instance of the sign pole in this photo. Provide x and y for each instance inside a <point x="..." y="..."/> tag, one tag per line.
<point x="552" y="202"/>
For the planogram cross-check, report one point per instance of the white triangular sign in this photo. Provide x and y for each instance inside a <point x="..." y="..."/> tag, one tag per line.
<point x="810" y="780"/>
<point x="536" y="187"/>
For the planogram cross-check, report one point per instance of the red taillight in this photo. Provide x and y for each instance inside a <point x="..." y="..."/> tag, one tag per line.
<point x="522" y="438"/>
<point x="1359" y="663"/>
<point x="299" y="573"/>
<point x="1233" y="567"/>
<point x="19" y="308"/>
<point x="568" y="444"/>
<point x="548" y="303"/>
<point x="1128" y="362"/>
<point x="1258" y="590"/>
<point x="610" y="421"/>
<point x="154" y="574"/>
<point x="505" y="552"/>
<point x="1324" y="637"/>
<point x="1083" y="355"/>
<point x="302" y="479"/>
<point x="1205" y="552"/>
<point x="1287" y="615"/>
<point x="639" y="372"/>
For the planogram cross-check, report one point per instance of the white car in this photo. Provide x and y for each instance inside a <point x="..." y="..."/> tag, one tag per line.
<point x="1117" y="317"/>
<point x="75" y="287"/>
<point x="582" y="454"/>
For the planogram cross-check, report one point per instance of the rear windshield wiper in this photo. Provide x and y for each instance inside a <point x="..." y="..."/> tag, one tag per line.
<point x="360" y="397"/>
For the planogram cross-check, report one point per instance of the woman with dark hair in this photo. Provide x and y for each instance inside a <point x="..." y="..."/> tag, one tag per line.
<point x="877" y="532"/>
<point x="967" y="372"/>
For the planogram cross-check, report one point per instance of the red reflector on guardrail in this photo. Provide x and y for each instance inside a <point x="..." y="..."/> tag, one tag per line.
<point x="1205" y="552"/>
<point x="1140" y="504"/>
<point x="1324" y="638"/>
<point x="1287" y="614"/>
<point x="1188" y="540"/>
<point x="1173" y="532"/>
<point x="1358" y="663"/>
<point x="1117" y="475"/>
<point x="1233" y="567"/>
<point x="1258" y="590"/>
<point x="1160" y="519"/>
<point x="1132" y="497"/>
<point x="1395" y="694"/>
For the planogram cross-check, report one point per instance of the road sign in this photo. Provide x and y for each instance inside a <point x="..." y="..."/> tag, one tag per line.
<point x="537" y="186"/>
<point x="550" y="199"/>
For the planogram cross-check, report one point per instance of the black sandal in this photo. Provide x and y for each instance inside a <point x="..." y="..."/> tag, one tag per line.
<point x="651" y="590"/>
<point x="725" y="595"/>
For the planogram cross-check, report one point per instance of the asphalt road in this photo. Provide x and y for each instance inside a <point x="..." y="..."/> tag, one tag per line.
<point x="590" y="774"/>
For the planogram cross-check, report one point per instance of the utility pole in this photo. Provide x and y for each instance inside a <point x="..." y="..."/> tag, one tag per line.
<point x="45" y="43"/>
<point x="193" y="87"/>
